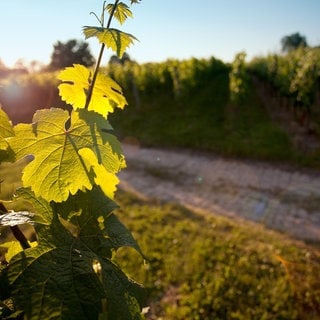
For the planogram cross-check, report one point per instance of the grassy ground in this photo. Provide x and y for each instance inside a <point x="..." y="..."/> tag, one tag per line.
<point x="203" y="266"/>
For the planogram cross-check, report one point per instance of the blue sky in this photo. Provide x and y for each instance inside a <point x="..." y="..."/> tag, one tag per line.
<point x="166" y="28"/>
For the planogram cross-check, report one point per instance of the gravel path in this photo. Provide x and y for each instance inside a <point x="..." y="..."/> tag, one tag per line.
<point x="280" y="198"/>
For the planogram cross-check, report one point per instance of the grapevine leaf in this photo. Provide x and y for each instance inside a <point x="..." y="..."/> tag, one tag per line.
<point x="118" y="234"/>
<point x="54" y="279"/>
<point x="14" y="247"/>
<point x="114" y="39"/>
<point x="106" y="95"/>
<point x="104" y="144"/>
<point x="121" y="13"/>
<point x="42" y="211"/>
<point x="75" y="84"/>
<point x="54" y="139"/>
<point x="106" y="180"/>
<point x="6" y="130"/>
<point x="125" y="297"/>
<point x="57" y="277"/>
<point x="91" y="213"/>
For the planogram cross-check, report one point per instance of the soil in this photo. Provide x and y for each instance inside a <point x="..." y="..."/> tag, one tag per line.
<point x="280" y="197"/>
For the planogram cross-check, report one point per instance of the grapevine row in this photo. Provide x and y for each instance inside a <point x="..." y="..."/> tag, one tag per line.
<point x="294" y="78"/>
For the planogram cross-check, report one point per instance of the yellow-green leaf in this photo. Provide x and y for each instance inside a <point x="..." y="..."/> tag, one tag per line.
<point x="106" y="180"/>
<point x="6" y="130"/>
<point x="121" y="13"/>
<point x="54" y="139"/>
<point x="106" y="95"/>
<point x="14" y="247"/>
<point x="114" y="39"/>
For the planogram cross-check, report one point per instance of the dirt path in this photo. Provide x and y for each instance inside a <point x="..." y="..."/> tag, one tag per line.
<point x="280" y="198"/>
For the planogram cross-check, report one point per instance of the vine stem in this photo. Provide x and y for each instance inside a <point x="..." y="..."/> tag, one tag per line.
<point x="16" y="231"/>
<point x="95" y="73"/>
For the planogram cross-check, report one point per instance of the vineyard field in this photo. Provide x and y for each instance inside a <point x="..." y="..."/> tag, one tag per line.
<point x="191" y="104"/>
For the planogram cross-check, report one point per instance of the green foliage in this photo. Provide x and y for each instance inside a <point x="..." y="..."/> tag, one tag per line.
<point x="70" y="52"/>
<point x="304" y="83"/>
<point x="180" y="79"/>
<point x="294" y="75"/>
<point x="238" y="79"/>
<point x="193" y="110"/>
<point x="58" y="275"/>
<point x="68" y="182"/>
<point x="218" y="268"/>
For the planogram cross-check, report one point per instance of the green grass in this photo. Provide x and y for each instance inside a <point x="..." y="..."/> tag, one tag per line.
<point x="201" y="266"/>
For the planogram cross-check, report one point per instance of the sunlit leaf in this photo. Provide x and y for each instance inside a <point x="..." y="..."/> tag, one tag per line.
<point x="6" y="130"/>
<point x="14" y="247"/>
<point x="75" y="84"/>
<point x="106" y="180"/>
<point x="106" y="95"/>
<point x="121" y="13"/>
<point x="54" y="140"/>
<point x="114" y="39"/>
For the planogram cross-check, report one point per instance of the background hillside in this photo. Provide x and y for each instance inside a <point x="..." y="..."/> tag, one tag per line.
<point x="265" y="109"/>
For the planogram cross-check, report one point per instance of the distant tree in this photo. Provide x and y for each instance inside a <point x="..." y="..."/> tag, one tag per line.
<point x="293" y="41"/>
<point x="70" y="52"/>
<point x="116" y="59"/>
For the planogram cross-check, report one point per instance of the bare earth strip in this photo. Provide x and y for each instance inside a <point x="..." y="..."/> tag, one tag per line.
<point x="281" y="198"/>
